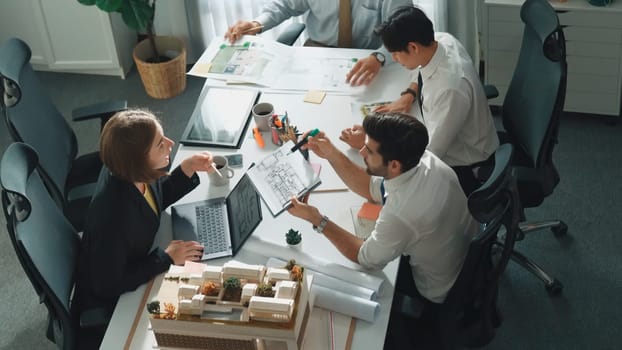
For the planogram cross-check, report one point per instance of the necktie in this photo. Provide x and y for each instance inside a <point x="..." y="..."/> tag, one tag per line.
<point x="345" y="24"/>
<point x="383" y="194"/>
<point x="420" y="95"/>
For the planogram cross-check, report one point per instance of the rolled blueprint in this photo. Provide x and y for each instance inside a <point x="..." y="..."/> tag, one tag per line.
<point x="344" y="303"/>
<point x="316" y="264"/>
<point x="331" y="282"/>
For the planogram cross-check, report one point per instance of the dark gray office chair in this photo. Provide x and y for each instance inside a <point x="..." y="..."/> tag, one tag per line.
<point x="531" y="114"/>
<point x="46" y="245"/>
<point x="468" y="316"/>
<point x="31" y="117"/>
<point x="291" y="33"/>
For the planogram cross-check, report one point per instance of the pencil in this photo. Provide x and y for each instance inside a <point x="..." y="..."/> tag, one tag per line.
<point x="251" y="29"/>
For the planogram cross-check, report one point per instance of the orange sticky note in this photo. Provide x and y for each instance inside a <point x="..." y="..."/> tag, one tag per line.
<point x="369" y="211"/>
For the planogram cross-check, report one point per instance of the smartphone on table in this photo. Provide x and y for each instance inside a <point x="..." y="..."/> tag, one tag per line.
<point x="235" y="160"/>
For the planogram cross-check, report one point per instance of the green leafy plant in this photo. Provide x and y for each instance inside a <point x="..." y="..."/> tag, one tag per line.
<point x="293" y="237"/>
<point x="137" y="14"/>
<point x="265" y="290"/>
<point x="232" y="283"/>
<point x="154" y="307"/>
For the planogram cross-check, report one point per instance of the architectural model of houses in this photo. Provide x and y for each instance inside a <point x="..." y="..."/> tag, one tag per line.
<point x="236" y="304"/>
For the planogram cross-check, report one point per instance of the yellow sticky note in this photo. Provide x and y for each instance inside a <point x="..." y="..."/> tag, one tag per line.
<point x="201" y="68"/>
<point x="315" y="96"/>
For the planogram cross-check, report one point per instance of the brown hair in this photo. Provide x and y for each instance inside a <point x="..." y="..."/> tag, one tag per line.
<point x="125" y="143"/>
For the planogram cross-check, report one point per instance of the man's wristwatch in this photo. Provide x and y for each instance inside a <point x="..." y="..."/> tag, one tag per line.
<point x="380" y="57"/>
<point x="409" y="91"/>
<point x="320" y="228"/>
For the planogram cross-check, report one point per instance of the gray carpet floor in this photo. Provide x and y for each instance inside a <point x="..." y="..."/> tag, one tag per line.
<point x="588" y="261"/>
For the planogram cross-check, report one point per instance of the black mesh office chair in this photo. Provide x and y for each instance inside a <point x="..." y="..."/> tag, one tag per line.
<point x="469" y="316"/>
<point x="531" y="114"/>
<point x="46" y="245"/>
<point x="31" y="117"/>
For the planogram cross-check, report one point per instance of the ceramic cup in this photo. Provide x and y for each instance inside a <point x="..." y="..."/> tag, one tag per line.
<point x="223" y="167"/>
<point x="262" y="112"/>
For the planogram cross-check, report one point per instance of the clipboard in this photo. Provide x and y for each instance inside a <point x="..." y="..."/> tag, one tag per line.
<point x="281" y="175"/>
<point x="220" y="118"/>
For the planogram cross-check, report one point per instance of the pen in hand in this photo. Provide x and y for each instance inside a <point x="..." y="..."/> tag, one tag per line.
<point x="304" y="140"/>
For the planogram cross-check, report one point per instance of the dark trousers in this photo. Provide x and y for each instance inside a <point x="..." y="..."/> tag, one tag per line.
<point x="467" y="179"/>
<point x="405" y="332"/>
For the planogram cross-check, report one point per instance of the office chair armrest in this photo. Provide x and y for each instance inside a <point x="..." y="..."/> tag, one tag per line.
<point x="96" y="317"/>
<point x="291" y="34"/>
<point x="491" y="91"/>
<point x="102" y="111"/>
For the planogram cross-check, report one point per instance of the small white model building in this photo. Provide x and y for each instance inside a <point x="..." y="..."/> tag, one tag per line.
<point x="271" y="309"/>
<point x="277" y="274"/>
<point x="196" y="279"/>
<point x="251" y="273"/>
<point x="212" y="273"/>
<point x="286" y="289"/>
<point x="248" y="291"/>
<point x="187" y="291"/>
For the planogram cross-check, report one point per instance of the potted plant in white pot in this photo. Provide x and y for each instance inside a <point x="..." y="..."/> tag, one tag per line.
<point x="160" y="60"/>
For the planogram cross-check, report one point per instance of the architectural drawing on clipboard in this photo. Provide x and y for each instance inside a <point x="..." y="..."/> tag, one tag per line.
<point x="281" y="175"/>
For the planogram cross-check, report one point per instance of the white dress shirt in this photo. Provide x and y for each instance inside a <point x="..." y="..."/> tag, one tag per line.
<point x="425" y="216"/>
<point x="455" y="108"/>
<point x="323" y="18"/>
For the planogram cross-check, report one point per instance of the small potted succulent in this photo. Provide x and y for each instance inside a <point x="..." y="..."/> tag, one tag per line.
<point x="293" y="238"/>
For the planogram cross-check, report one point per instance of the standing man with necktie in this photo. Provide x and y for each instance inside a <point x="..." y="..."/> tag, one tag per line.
<point x="450" y="97"/>
<point x="331" y="23"/>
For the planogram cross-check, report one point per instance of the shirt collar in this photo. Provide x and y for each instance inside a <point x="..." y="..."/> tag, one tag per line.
<point x="435" y="61"/>
<point x="401" y="179"/>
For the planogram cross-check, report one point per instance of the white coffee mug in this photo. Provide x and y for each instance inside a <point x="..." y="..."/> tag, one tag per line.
<point x="262" y="112"/>
<point x="224" y="173"/>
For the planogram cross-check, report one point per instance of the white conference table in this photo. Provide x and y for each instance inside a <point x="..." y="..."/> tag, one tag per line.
<point x="128" y="327"/>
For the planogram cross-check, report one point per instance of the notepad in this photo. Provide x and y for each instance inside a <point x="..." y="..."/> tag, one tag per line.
<point x="315" y="96"/>
<point x="369" y="211"/>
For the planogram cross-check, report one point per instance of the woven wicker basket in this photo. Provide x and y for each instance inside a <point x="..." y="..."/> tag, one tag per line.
<point x="162" y="80"/>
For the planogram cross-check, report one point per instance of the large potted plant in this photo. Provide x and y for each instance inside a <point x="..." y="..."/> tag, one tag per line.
<point x="160" y="60"/>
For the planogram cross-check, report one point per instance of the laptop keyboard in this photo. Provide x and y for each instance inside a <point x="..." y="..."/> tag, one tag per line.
<point x="211" y="228"/>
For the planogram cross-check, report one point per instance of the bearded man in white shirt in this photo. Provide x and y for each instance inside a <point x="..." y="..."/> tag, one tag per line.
<point x="451" y="101"/>
<point x="424" y="216"/>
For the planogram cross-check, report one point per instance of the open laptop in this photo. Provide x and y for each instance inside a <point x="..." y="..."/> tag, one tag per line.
<point x="221" y="224"/>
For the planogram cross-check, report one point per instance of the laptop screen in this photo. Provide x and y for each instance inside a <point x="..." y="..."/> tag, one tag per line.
<point x="244" y="210"/>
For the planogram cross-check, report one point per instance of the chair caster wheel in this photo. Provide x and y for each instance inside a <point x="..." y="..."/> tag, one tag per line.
<point x="560" y="230"/>
<point x="554" y="288"/>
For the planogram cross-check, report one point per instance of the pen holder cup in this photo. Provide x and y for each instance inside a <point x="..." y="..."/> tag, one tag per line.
<point x="274" y="134"/>
<point x="262" y="112"/>
<point x="222" y="164"/>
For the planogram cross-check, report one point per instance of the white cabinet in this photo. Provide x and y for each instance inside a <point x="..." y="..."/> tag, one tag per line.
<point x="67" y="36"/>
<point x="593" y="44"/>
